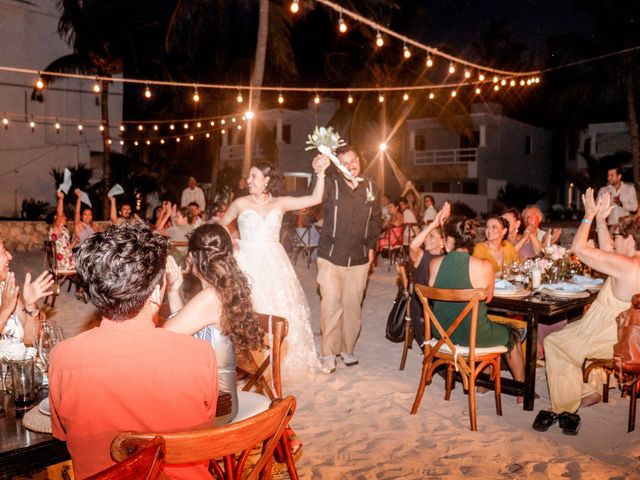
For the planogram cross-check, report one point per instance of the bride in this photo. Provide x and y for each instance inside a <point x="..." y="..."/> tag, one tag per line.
<point x="275" y="288"/>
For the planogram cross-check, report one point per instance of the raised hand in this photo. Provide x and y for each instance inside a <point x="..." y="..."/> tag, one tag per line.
<point x="320" y="163"/>
<point x="60" y="194"/>
<point x="9" y="295"/>
<point x="605" y="206"/>
<point x="77" y="192"/>
<point x="443" y="214"/>
<point x="591" y="207"/>
<point x="174" y="275"/>
<point x="39" y="288"/>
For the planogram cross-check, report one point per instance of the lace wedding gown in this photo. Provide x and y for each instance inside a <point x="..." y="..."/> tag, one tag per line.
<point x="276" y="290"/>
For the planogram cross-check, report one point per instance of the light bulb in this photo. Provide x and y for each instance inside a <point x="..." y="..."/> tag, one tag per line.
<point x="101" y="128"/>
<point x="212" y="123"/>
<point x="522" y="83"/>
<point x="503" y="82"/>
<point x="198" y="124"/>
<point x="478" y="91"/>
<point x="406" y="52"/>
<point x="155" y="127"/>
<point x="207" y="135"/>
<point x="58" y="126"/>
<point x="172" y="127"/>
<point x="249" y="114"/>
<point x="223" y="131"/>
<point x="196" y="97"/>
<point x="190" y="137"/>
<point x="177" y="139"/>
<point x="109" y="141"/>
<point x="223" y="121"/>
<point x="295" y="6"/>
<point x="349" y="99"/>
<point x="495" y="79"/>
<point x="162" y="141"/>
<point x="316" y="100"/>
<point x="121" y="142"/>
<point x="39" y="84"/>
<point x="233" y="120"/>
<point x="239" y="98"/>
<point x="429" y="61"/>
<point x="96" y="88"/>
<point x="342" y="26"/>
<point x="432" y="96"/>
<point x="405" y="97"/>
<point x="481" y="77"/>
<point x="452" y="68"/>
<point x="467" y="74"/>
<point x="528" y="81"/>
<point x="32" y="124"/>
<point x="280" y="99"/>
<point x="512" y="83"/>
<point x="5" y="122"/>
<point x="379" y="40"/>
<point x="239" y="127"/>
<point x="381" y="98"/>
<point x="496" y="88"/>
<point x="140" y="127"/>
<point x="80" y="128"/>
<point x="454" y="93"/>
<point x="147" y="92"/>
<point x="185" y="126"/>
<point x="382" y="147"/>
<point x="122" y="128"/>
<point x="136" y="143"/>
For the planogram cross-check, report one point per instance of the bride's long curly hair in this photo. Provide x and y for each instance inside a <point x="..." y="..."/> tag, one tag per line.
<point x="212" y="257"/>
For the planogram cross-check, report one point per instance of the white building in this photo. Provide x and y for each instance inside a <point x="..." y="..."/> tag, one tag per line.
<point x="29" y="39"/>
<point x="454" y="167"/>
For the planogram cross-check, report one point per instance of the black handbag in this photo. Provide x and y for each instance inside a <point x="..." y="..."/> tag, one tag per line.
<point x="397" y="316"/>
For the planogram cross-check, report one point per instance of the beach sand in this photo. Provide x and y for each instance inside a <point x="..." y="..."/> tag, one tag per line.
<point x="356" y="423"/>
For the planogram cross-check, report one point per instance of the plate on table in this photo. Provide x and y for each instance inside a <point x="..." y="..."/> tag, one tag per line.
<point x="591" y="284"/>
<point x="44" y="407"/>
<point x="564" y="293"/>
<point x="517" y="293"/>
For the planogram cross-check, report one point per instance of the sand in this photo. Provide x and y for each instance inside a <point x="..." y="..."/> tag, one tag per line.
<point x="356" y="424"/>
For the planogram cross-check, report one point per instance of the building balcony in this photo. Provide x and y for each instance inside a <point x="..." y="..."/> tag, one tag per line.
<point x="445" y="156"/>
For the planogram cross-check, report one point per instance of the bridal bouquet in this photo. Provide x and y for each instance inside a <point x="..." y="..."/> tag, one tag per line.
<point x="326" y="141"/>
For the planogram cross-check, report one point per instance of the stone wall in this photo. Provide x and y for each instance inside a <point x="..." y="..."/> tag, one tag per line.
<point x="19" y="236"/>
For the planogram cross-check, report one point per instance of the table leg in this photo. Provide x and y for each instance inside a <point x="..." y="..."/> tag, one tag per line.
<point x="530" y="361"/>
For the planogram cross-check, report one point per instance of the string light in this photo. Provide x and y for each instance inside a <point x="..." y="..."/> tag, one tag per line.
<point x="109" y="141"/>
<point x="495" y="79"/>
<point x="5" y="122"/>
<point x="249" y="114"/>
<point x="147" y="91"/>
<point x="406" y="52"/>
<point x="295" y="6"/>
<point x="57" y="127"/>
<point x="122" y="128"/>
<point x="429" y="61"/>
<point x="196" y="97"/>
<point x="280" y="99"/>
<point x="496" y="88"/>
<point x="198" y="124"/>
<point x="481" y="77"/>
<point x="380" y="98"/>
<point x="162" y="141"/>
<point x="342" y="26"/>
<point x="140" y="127"/>
<point x="432" y="96"/>
<point x="207" y="134"/>
<point x="522" y="83"/>
<point x="191" y="137"/>
<point x="172" y="127"/>
<point x="155" y="127"/>
<point x="239" y="127"/>
<point x="503" y="82"/>
<point x="121" y="142"/>
<point x="223" y="131"/>
<point x="185" y="126"/>
<point x="316" y="100"/>
<point x="405" y="97"/>
<point x="39" y="82"/>
<point x="452" y="68"/>
<point x="379" y="40"/>
<point x="101" y="128"/>
<point x="223" y="121"/>
<point x="467" y="74"/>
<point x="453" y="93"/>
<point x="135" y="143"/>
<point x="177" y="139"/>
<point x="96" y="87"/>
<point x="349" y="99"/>
<point x="512" y="83"/>
<point x="32" y="124"/>
<point x="239" y="98"/>
<point x="233" y="119"/>
<point x="80" y="128"/>
<point x="212" y="123"/>
<point x="478" y="91"/>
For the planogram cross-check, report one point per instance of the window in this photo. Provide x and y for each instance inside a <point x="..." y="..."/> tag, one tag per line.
<point x="286" y="133"/>
<point x="527" y="145"/>
<point x="441" y="187"/>
<point x="470" y="187"/>
<point x="419" y="143"/>
<point x="473" y="142"/>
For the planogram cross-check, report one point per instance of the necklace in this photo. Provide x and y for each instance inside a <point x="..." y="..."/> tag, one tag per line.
<point x="259" y="202"/>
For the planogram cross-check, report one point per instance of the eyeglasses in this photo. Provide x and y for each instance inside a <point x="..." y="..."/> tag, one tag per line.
<point x="614" y="235"/>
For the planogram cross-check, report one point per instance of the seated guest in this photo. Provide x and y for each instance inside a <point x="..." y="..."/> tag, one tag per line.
<point x="427" y="245"/>
<point x="392" y="229"/>
<point x="596" y="333"/>
<point x="59" y="234"/>
<point x="409" y="218"/>
<point x="118" y="217"/>
<point x="512" y="215"/>
<point x="385" y="201"/>
<point x="83" y="222"/>
<point x="496" y="248"/>
<point x="534" y="239"/>
<point x="18" y="310"/>
<point x="222" y="312"/>
<point x="459" y="270"/>
<point x="127" y="374"/>
<point x="195" y="214"/>
<point x="429" y="214"/>
<point x="179" y="229"/>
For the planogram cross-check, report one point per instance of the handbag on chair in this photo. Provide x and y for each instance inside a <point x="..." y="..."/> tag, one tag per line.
<point x="398" y="315"/>
<point x="626" y="353"/>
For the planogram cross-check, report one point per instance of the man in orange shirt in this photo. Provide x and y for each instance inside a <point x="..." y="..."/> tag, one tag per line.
<point x="126" y="374"/>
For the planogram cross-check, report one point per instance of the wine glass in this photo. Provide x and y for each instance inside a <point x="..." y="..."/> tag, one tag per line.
<point x="49" y="336"/>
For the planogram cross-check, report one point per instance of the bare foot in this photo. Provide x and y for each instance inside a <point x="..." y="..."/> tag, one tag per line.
<point x="591" y="400"/>
<point x="482" y="390"/>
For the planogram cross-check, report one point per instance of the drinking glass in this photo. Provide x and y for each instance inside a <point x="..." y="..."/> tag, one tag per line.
<point x="47" y="339"/>
<point x="23" y="378"/>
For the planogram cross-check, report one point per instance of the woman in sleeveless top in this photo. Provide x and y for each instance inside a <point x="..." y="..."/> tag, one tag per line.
<point x="459" y="270"/>
<point x="497" y="249"/>
<point x="426" y="245"/>
<point x="221" y="313"/>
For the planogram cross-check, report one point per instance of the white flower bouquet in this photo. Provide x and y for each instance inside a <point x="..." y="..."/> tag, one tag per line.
<point x="327" y="141"/>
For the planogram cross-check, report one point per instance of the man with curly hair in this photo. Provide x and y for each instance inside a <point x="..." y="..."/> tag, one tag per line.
<point x="127" y="374"/>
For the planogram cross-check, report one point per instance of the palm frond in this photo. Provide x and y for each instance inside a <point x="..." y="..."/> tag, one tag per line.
<point x="279" y="46"/>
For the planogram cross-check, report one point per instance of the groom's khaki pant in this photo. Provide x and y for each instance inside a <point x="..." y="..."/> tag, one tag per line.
<point x="341" y="289"/>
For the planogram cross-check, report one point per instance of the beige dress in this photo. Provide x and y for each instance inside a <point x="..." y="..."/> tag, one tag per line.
<point x="591" y="337"/>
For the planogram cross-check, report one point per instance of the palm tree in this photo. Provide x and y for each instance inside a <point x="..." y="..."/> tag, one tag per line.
<point x="93" y="54"/>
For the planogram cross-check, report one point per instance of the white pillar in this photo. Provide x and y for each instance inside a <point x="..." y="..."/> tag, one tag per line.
<point x="412" y="139"/>
<point x="279" y="128"/>
<point x="483" y="136"/>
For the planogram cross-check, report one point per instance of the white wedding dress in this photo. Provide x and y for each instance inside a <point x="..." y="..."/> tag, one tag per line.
<point x="276" y="290"/>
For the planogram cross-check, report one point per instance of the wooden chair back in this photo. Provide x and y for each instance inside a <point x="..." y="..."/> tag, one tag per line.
<point x="227" y="448"/>
<point x="275" y="329"/>
<point x="473" y="297"/>
<point x="404" y="274"/>
<point x="145" y="464"/>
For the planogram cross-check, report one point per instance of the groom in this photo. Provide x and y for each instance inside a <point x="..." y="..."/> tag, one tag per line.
<point x="346" y="249"/>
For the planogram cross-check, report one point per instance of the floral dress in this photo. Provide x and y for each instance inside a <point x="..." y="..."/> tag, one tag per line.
<point x="64" y="254"/>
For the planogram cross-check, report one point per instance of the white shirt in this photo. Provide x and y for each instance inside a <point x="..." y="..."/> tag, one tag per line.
<point x="195" y="195"/>
<point x="628" y="197"/>
<point x="409" y="217"/>
<point x="429" y="214"/>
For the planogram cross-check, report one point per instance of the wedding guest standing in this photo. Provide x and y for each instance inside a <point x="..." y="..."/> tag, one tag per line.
<point x="346" y="249"/>
<point x="193" y="193"/>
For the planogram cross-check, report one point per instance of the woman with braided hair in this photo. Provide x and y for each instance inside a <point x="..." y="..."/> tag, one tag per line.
<point x="222" y="312"/>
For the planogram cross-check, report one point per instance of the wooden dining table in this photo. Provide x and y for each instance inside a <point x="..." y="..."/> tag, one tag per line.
<point x="535" y="309"/>
<point x="22" y="451"/>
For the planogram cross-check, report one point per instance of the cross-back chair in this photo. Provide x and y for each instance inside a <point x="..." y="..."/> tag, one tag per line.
<point x="227" y="448"/>
<point x="404" y="272"/>
<point x="393" y="238"/>
<point x="468" y="361"/>
<point x="145" y="464"/>
<point x="60" y="277"/>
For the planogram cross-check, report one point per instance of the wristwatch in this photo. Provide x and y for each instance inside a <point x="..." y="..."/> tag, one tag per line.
<point x="32" y="313"/>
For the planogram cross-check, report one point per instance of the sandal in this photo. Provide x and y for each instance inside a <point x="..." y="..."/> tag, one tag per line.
<point x="544" y="420"/>
<point x="569" y="423"/>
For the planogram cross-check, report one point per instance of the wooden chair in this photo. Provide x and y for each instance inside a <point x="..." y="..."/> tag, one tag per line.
<point x="227" y="448"/>
<point x="60" y="277"/>
<point x="145" y="464"/>
<point x="628" y="382"/>
<point x="408" y="328"/>
<point x="468" y="361"/>
<point x="394" y="244"/>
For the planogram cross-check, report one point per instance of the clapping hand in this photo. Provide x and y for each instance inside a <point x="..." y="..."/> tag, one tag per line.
<point x="34" y="291"/>
<point x="605" y="206"/>
<point x="443" y="214"/>
<point x="174" y="275"/>
<point x="9" y="295"/>
<point x="591" y="207"/>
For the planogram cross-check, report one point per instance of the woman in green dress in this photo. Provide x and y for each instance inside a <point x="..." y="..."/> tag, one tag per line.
<point x="459" y="270"/>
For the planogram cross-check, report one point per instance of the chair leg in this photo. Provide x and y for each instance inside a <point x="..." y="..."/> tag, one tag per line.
<point x="408" y="338"/>
<point x="472" y="402"/>
<point x="632" y="405"/>
<point x="448" y="383"/>
<point x="605" y="387"/>
<point x="421" y="387"/>
<point x="497" y="387"/>
<point x="288" y="455"/>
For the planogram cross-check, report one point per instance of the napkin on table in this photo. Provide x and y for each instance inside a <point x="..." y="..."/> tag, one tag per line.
<point x="584" y="280"/>
<point x="503" y="285"/>
<point x="564" y="286"/>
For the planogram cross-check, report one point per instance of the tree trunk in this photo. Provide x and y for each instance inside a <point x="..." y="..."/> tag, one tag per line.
<point x="633" y="129"/>
<point x="106" y="147"/>
<point x="256" y="80"/>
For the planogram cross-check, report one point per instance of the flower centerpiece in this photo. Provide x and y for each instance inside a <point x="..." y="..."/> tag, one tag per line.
<point x="327" y="141"/>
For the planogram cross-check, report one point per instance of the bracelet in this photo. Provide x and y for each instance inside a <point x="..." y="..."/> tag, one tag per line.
<point x="586" y="220"/>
